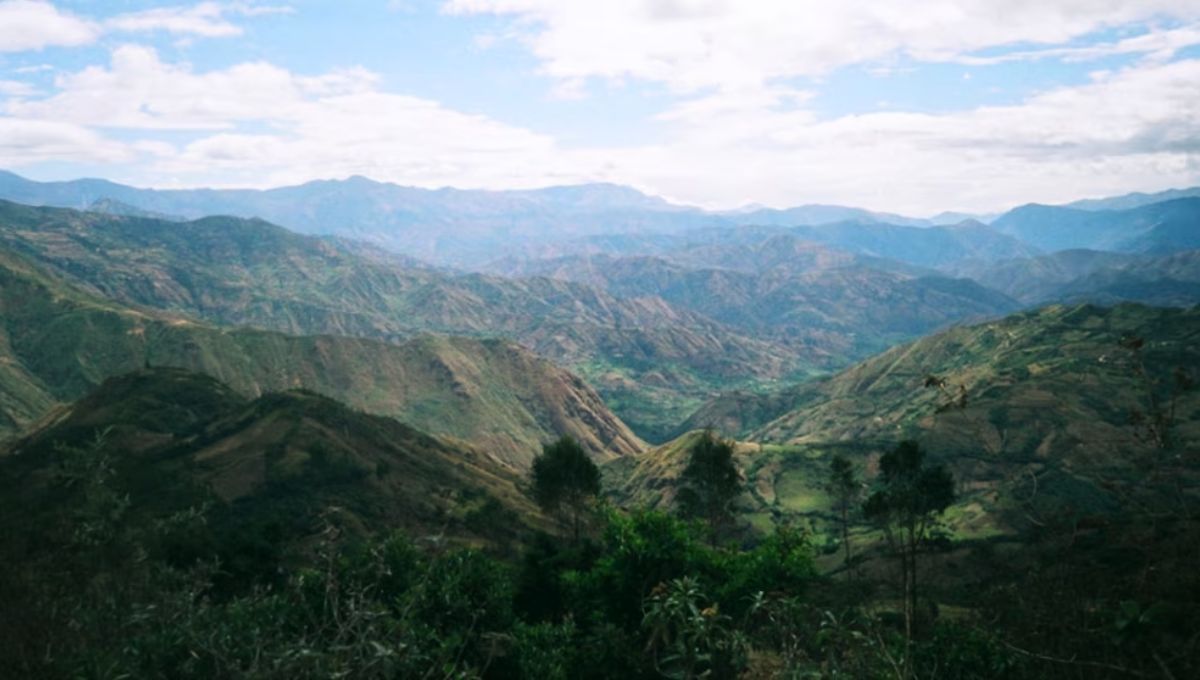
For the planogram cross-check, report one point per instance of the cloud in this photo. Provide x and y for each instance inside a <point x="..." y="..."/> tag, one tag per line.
<point x="207" y="19"/>
<point x="1136" y="128"/>
<point x="24" y="141"/>
<point x="258" y="124"/>
<point x="35" y="24"/>
<point x="16" y="88"/>
<point x="722" y="142"/>
<point x="691" y="45"/>
<point x="27" y="25"/>
<point x="1156" y="44"/>
<point x="139" y="91"/>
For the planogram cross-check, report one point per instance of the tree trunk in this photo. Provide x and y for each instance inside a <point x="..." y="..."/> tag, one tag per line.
<point x="846" y="537"/>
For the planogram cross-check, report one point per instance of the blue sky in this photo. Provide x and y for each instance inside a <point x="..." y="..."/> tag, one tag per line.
<point x="915" y="107"/>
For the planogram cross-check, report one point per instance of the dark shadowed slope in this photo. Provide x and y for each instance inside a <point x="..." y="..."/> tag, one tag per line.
<point x="282" y="465"/>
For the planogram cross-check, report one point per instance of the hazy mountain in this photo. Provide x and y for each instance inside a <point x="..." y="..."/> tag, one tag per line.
<point x="812" y="215"/>
<point x="925" y="247"/>
<point x="1171" y="280"/>
<point x="828" y="301"/>
<point x="1133" y="200"/>
<point x="1040" y="279"/>
<point x="447" y="226"/>
<point x="1095" y="276"/>
<point x="950" y="218"/>
<point x="249" y="272"/>
<point x="755" y="247"/>
<point x="57" y="343"/>
<point x="1158" y="228"/>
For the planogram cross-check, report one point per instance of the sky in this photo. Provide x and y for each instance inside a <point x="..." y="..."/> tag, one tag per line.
<point x="910" y="106"/>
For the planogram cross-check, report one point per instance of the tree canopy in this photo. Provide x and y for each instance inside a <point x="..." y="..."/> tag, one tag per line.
<point x="711" y="482"/>
<point x="565" y="479"/>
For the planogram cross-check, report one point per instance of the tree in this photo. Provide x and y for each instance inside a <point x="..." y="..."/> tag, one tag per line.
<point x="1158" y="418"/>
<point x="565" y="481"/>
<point x="910" y="497"/>
<point x="711" y="482"/>
<point x="844" y="486"/>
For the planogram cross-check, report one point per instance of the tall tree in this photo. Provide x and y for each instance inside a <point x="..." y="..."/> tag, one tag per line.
<point x="711" y="482"/>
<point x="909" y="499"/>
<point x="565" y="481"/>
<point x="845" y="488"/>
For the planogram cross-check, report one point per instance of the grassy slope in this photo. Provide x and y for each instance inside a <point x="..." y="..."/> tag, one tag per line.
<point x="248" y="272"/>
<point x="1045" y="426"/>
<point x="59" y="343"/>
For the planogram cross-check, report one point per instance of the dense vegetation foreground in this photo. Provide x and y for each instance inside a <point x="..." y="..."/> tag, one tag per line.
<point x="128" y="558"/>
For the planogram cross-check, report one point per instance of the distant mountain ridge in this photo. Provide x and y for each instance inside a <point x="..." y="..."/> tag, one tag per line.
<point x="1136" y="199"/>
<point x="1156" y="228"/>
<point x="447" y="226"/>
<point x="467" y="228"/>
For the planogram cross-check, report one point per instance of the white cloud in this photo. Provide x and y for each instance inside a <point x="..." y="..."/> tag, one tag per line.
<point x="736" y="132"/>
<point x="207" y="19"/>
<point x="1134" y="129"/>
<point x="691" y="45"/>
<point x="139" y="91"/>
<point x="16" y="88"/>
<point x="24" y="141"/>
<point x="27" y="25"/>
<point x="304" y="127"/>
<point x="36" y="24"/>
<point x="1155" y="44"/>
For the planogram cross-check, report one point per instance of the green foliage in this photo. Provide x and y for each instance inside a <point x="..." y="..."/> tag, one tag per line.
<point x="909" y="498"/>
<point x="565" y="480"/>
<point x="564" y="474"/>
<point x="689" y="637"/>
<point x="910" y="492"/>
<point x="844" y="487"/>
<point x="710" y="482"/>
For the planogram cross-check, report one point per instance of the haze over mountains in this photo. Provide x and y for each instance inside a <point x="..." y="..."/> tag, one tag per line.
<point x="672" y="317"/>
<point x="658" y="306"/>
<point x="472" y="227"/>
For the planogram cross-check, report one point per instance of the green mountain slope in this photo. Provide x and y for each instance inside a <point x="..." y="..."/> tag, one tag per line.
<point x="1052" y="379"/>
<point x="271" y="471"/>
<point x="1050" y="351"/>
<point x="247" y="272"/>
<point x="58" y="343"/>
<point x="1031" y="412"/>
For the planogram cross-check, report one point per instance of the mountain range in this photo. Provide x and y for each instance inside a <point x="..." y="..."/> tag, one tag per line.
<point x="658" y="306"/>
<point x="231" y="271"/>
<point x="472" y="227"/>
<point x="58" y="342"/>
